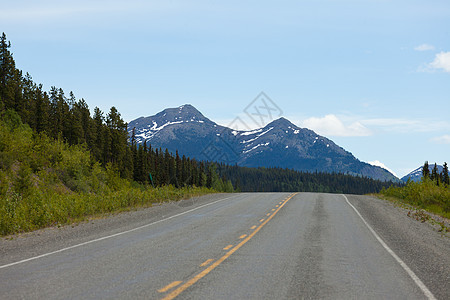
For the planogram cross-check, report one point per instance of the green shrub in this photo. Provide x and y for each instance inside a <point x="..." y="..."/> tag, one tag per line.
<point x="424" y="194"/>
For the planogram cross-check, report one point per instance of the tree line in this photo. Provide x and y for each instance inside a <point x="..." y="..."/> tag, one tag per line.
<point x="287" y="180"/>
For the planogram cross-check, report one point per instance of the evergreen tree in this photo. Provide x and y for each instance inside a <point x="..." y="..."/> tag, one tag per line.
<point x="7" y="73"/>
<point x="435" y="174"/>
<point x="73" y="127"/>
<point x="99" y="137"/>
<point x="426" y="170"/>
<point x="445" y="176"/>
<point x="41" y="111"/>
<point x="85" y="119"/>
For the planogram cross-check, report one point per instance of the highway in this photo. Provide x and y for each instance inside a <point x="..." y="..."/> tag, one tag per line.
<point x="235" y="246"/>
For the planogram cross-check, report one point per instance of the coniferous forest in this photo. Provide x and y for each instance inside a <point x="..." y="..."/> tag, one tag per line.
<point x="285" y="180"/>
<point x="60" y="161"/>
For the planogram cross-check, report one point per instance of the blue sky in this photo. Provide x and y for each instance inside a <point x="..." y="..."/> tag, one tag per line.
<point x="372" y="75"/>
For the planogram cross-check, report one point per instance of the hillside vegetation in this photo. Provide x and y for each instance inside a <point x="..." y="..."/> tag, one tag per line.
<point x="45" y="182"/>
<point x="431" y="193"/>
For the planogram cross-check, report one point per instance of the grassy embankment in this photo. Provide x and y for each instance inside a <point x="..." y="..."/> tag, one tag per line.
<point x="44" y="183"/>
<point x="423" y="195"/>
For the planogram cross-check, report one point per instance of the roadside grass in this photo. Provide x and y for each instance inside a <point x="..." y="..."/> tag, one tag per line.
<point x="41" y="209"/>
<point x="421" y="199"/>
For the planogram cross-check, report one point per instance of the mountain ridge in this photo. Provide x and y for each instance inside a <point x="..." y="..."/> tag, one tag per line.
<point x="279" y="143"/>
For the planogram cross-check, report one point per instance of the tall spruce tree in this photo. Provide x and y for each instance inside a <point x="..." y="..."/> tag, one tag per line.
<point x="426" y="170"/>
<point x="7" y="74"/>
<point x="435" y="174"/>
<point x="445" y="176"/>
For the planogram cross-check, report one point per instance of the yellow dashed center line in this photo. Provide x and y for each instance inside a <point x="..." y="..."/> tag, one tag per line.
<point x="228" y="247"/>
<point x="169" y="286"/>
<point x="268" y="214"/>
<point x="211" y="267"/>
<point x="207" y="262"/>
<point x="253" y="227"/>
<point x="242" y="236"/>
<point x="262" y="220"/>
<point x="273" y="209"/>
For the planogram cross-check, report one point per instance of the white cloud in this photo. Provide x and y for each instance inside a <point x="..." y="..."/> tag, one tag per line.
<point x="407" y="125"/>
<point x="331" y="125"/>
<point x="445" y="139"/>
<point x="424" y="47"/>
<point x="441" y="61"/>
<point x="381" y="165"/>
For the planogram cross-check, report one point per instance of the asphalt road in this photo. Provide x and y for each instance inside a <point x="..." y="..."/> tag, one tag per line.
<point x="238" y="246"/>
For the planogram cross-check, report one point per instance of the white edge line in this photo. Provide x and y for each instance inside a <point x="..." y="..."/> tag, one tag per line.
<point x="109" y="236"/>
<point x="411" y="274"/>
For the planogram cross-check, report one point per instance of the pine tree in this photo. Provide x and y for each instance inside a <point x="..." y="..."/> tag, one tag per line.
<point x="73" y="127"/>
<point x="426" y="170"/>
<point x="445" y="176"/>
<point x="178" y="170"/>
<point x="41" y="110"/>
<point x="98" y="144"/>
<point x="7" y="73"/>
<point x="86" y="123"/>
<point x="435" y="174"/>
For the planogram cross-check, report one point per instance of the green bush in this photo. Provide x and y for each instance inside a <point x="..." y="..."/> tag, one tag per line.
<point x="424" y="194"/>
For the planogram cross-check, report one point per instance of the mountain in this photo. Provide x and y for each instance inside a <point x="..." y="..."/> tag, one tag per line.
<point x="278" y="144"/>
<point x="416" y="174"/>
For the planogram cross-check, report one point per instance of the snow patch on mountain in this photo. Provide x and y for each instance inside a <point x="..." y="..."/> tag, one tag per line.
<point x="255" y="147"/>
<point x="378" y="163"/>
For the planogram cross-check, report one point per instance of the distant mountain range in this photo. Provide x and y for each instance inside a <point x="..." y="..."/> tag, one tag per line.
<point x="278" y="144"/>
<point x="416" y="175"/>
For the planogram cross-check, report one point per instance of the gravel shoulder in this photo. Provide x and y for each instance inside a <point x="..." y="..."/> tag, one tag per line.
<point x="25" y="245"/>
<point x="425" y="250"/>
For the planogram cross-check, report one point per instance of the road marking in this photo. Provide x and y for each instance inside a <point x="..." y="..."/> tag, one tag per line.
<point x="110" y="236"/>
<point x="169" y="286"/>
<point x="262" y="220"/>
<point x="268" y="214"/>
<point x="205" y="272"/>
<point x="242" y="236"/>
<point x="228" y="247"/>
<point x="411" y="274"/>
<point x="253" y="227"/>
<point x="207" y="262"/>
<point x="277" y="205"/>
<point x="273" y="209"/>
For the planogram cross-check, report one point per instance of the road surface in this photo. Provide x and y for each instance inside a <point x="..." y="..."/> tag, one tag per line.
<point x="235" y="246"/>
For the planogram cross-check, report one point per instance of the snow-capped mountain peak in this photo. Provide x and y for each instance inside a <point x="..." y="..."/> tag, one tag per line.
<point x="146" y="127"/>
<point x="278" y="144"/>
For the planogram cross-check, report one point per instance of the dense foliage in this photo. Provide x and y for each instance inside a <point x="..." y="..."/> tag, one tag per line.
<point x="285" y="180"/>
<point x="45" y="182"/>
<point x="432" y="193"/>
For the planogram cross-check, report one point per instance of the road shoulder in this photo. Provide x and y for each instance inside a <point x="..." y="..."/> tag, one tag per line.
<point x="22" y="246"/>
<point x="424" y="249"/>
